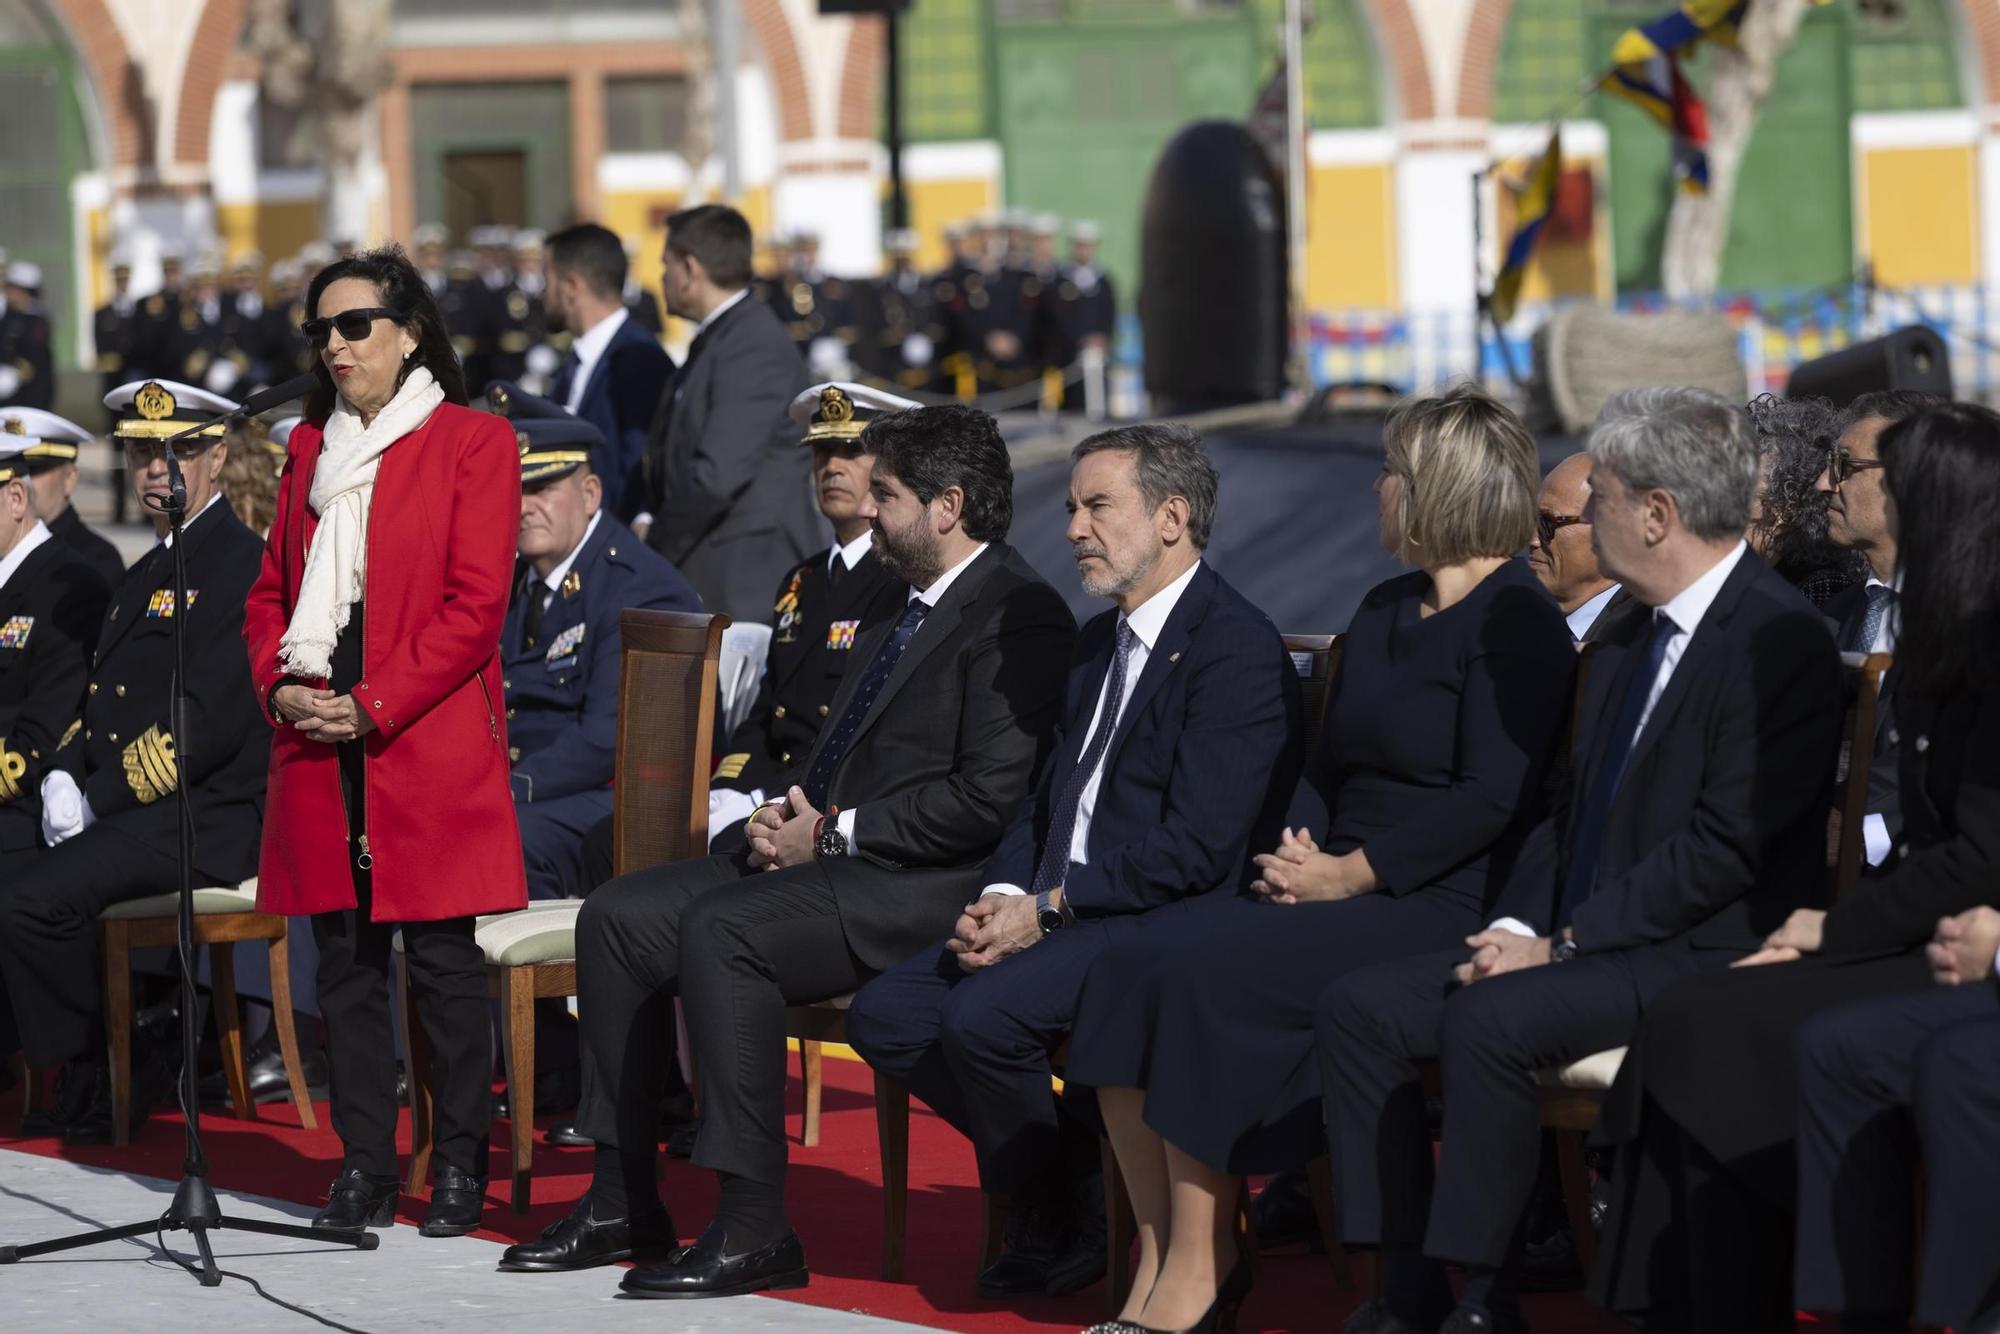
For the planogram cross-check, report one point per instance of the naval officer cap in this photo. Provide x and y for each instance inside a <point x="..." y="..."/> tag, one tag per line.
<point x="553" y="447"/>
<point x="838" y="410"/>
<point x="156" y="409"/>
<point x="42" y="440"/>
<point x="13" y="451"/>
<point x="508" y="399"/>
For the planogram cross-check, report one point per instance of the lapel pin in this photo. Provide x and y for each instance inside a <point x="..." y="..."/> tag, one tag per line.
<point x="1173" y="657"/>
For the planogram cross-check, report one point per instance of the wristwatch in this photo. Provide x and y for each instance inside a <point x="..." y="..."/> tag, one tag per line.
<point x="1051" y="915"/>
<point x="1563" y="951"/>
<point x="830" y="842"/>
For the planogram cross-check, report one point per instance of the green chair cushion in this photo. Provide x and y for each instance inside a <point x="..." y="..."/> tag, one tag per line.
<point x="539" y="933"/>
<point x="1596" y="1071"/>
<point x="217" y="899"/>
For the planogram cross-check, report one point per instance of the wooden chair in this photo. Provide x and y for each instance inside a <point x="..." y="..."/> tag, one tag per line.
<point x="666" y="722"/>
<point x="1572" y="1095"/>
<point x="223" y="917"/>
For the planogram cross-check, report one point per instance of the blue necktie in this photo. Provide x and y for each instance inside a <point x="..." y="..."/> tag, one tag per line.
<point x="819" y="778"/>
<point x="1054" y="865"/>
<point x="1880" y="598"/>
<point x="1581" y="876"/>
<point x="565" y="379"/>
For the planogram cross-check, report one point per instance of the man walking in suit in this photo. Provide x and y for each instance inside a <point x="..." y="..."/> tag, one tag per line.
<point x="726" y="496"/>
<point x="1178" y="753"/>
<point x="1562" y="557"/>
<point x="615" y="370"/>
<point x="933" y="741"/>
<point x="1671" y="849"/>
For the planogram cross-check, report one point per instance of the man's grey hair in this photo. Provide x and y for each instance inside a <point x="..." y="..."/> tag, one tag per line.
<point x="1171" y="461"/>
<point x="1694" y="444"/>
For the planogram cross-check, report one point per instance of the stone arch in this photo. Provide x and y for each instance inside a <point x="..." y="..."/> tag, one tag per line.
<point x="208" y="62"/>
<point x="1409" y="65"/>
<point x="1978" y="22"/>
<point x="861" y="75"/>
<point x="118" y="109"/>
<point x="788" y="75"/>
<point x="1479" y="58"/>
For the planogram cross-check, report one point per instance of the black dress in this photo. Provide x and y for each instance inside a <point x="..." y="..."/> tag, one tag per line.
<point x="1699" y="1235"/>
<point x="1436" y="739"/>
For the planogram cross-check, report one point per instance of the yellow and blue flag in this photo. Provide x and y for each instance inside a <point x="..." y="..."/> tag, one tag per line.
<point x="1538" y="201"/>
<point x="1659" y="88"/>
<point x="1694" y="20"/>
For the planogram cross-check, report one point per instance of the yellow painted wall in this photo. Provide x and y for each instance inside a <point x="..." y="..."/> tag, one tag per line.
<point x="936" y="204"/>
<point x="1564" y="268"/>
<point x="97" y="264"/>
<point x="1351" y="238"/>
<point x="1919" y="214"/>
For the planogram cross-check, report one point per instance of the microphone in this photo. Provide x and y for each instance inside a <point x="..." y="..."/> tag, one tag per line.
<point x="266" y="399"/>
<point x="296" y="387"/>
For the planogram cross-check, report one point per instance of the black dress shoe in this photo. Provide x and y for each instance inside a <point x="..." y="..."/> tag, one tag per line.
<point x="1466" y="1320"/>
<point x="581" y="1241"/>
<point x="76" y="1090"/>
<point x="1283" y="1213"/>
<point x="1375" y="1317"/>
<point x="356" y="1200"/>
<point x="458" y="1203"/>
<point x="264" y="1072"/>
<point x="708" y="1269"/>
<point x="565" y="1135"/>
<point x="1051" y="1247"/>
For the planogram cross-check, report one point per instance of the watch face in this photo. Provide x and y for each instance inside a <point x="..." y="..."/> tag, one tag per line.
<point x="1050" y="919"/>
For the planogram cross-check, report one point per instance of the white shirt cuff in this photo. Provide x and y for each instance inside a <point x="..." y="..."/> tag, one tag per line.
<point x="644" y="520"/>
<point x="1001" y="889"/>
<point x="844" y="822"/>
<point x="1514" y="924"/>
<point x="726" y="806"/>
<point x="1875" y="839"/>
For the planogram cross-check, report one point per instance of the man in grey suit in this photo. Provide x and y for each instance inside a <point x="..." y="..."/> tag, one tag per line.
<point x="728" y="493"/>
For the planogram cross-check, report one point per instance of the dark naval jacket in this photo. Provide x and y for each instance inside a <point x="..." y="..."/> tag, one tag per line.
<point x="50" y="609"/>
<point x="562" y="688"/>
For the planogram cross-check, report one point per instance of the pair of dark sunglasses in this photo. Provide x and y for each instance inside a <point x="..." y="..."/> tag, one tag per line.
<point x="354" y="325"/>
<point x="1546" y="524"/>
<point x="1844" y="465"/>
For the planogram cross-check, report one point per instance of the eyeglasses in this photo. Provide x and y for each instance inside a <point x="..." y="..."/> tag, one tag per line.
<point x="1843" y="465"/>
<point x="141" y="453"/>
<point x="1546" y="524"/>
<point x="354" y="325"/>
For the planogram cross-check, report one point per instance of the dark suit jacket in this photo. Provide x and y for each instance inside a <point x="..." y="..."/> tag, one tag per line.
<point x="727" y="481"/>
<point x="95" y="548"/>
<point x="1719" y="827"/>
<point x="1844" y="612"/>
<point x="50" y="609"/>
<point x="1618" y="616"/>
<point x="624" y="387"/>
<point x="1948" y="856"/>
<point x="946" y="754"/>
<point x="1199" y="772"/>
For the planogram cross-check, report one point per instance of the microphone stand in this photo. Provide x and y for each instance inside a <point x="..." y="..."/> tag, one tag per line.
<point x="194" y="1209"/>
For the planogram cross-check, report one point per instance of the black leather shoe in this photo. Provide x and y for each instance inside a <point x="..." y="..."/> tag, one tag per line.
<point x="356" y="1200"/>
<point x="264" y="1072"/>
<point x="1375" y="1317"/>
<point x="680" y="1139"/>
<point x="707" y="1269"/>
<point x="565" y="1135"/>
<point x="76" y="1090"/>
<point x="1465" y="1320"/>
<point x="1052" y="1247"/>
<point x="458" y="1203"/>
<point x="1283" y="1213"/>
<point x="581" y="1241"/>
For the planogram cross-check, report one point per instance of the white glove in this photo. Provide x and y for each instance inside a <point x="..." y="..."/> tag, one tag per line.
<point x="10" y="381"/>
<point x="65" y="810"/>
<point x="826" y="357"/>
<point x="918" y="349"/>
<point x="222" y="376"/>
<point x="726" y="806"/>
<point x="542" y="359"/>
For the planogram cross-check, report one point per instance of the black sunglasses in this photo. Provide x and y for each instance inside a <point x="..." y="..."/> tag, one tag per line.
<point x="1844" y="465"/>
<point x="1546" y="524"/>
<point x="354" y="325"/>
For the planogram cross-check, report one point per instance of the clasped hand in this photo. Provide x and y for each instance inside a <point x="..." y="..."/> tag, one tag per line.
<point x="993" y="928"/>
<point x="1298" y="872"/>
<point x="321" y="714"/>
<point x="1497" y="950"/>
<point x="1962" y="951"/>
<point x="1798" y="937"/>
<point x="781" y="832"/>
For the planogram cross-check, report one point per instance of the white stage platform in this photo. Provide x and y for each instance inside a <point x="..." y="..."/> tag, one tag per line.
<point x="410" y="1283"/>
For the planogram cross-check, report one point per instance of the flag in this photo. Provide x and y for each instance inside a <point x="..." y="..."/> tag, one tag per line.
<point x="1694" y="20"/>
<point x="1530" y="215"/>
<point x="1659" y="88"/>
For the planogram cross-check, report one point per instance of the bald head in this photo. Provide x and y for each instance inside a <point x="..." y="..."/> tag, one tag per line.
<point x="1562" y="559"/>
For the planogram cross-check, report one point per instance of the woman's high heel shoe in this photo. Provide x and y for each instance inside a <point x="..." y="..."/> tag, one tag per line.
<point x="1220" y="1317"/>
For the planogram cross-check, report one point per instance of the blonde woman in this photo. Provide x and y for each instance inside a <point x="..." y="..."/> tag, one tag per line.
<point x="1454" y="682"/>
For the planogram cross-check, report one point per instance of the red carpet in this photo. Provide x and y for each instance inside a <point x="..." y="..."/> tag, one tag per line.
<point x="835" y="1203"/>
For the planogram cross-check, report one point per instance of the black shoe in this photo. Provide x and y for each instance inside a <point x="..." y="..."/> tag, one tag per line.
<point x="1375" y="1317"/>
<point x="356" y="1200"/>
<point x="1465" y="1320"/>
<point x="154" y="1074"/>
<point x="565" y="1135"/>
<point x="1086" y="1260"/>
<point x="264" y="1072"/>
<point x="707" y="1269"/>
<point x="1283" y="1214"/>
<point x="76" y="1091"/>
<point x="680" y="1139"/>
<point x="1052" y="1247"/>
<point x="555" y="1091"/>
<point x="581" y="1241"/>
<point x="1220" y="1317"/>
<point x="458" y="1203"/>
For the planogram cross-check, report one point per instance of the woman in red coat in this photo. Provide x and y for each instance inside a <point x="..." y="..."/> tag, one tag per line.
<point x="374" y="635"/>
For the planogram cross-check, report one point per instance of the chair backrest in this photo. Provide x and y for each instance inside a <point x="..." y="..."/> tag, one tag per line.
<point x="666" y="729"/>
<point x="744" y="650"/>
<point x="1857" y="752"/>
<point x="1317" y="658"/>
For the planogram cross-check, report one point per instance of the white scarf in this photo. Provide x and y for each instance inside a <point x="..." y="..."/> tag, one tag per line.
<point x="343" y="491"/>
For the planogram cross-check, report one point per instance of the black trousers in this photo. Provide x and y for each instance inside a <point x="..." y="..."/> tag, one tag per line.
<point x="975" y="1047"/>
<point x="738" y="947"/>
<point x="49" y="902"/>
<point x="1489" y="1039"/>
<point x="1880" y="1082"/>
<point x="447" y="996"/>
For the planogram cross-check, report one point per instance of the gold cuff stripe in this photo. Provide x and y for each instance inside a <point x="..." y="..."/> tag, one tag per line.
<point x="732" y="765"/>
<point x="13" y="768"/>
<point x="69" y="734"/>
<point x="150" y="767"/>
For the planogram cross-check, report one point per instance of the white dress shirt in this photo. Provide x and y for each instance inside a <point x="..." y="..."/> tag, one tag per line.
<point x="1586" y="616"/>
<point x="853" y="553"/>
<point x="1147" y="621"/>
<point x="929" y="597"/>
<point x="1876" y="843"/>
<point x="13" y="560"/>
<point x="1685" y="610"/>
<point x="189" y="522"/>
<point x="589" y="348"/>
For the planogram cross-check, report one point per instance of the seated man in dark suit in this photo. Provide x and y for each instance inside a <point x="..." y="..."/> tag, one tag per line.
<point x="1564" y="560"/>
<point x="579" y="570"/>
<point x="615" y="368"/>
<point x="873" y="850"/>
<point x="1670" y="850"/>
<point x="109" y="812"/>
<point x="1178" y="752"/>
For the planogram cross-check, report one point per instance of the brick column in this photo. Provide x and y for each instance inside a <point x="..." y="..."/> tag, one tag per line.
<point x="586" y="138"/>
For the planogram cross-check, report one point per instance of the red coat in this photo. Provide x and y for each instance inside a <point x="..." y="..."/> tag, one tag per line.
<point x="440" y="815"/>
